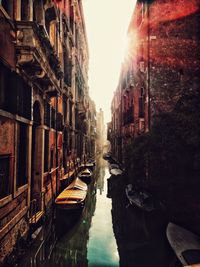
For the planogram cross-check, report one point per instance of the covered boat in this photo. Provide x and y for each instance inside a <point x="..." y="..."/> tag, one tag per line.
<point x="85" y="175"/>
<point x="73" y="196"/>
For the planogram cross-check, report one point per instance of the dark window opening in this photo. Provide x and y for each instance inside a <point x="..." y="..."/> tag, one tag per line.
<point x="36" y="113"/>
<point x="46" y="151"/>
<point x="70" y="113"/>
<point x="65" y="110"/>
<point x="141" y="107"/>
<point x="59" y="121"/>
<point x="24" y="9"/>
<point x="53" y="118"/>
<point x="47" y="114"/>
<point x="52" y="159"/>
<point x="15" y="94"/>
<point x="71" y="19"/>
<point x="67" y="69"/>
<point x="141" y="103"/>
<point x="4" y="175"/>
<point x="22" y="155"/>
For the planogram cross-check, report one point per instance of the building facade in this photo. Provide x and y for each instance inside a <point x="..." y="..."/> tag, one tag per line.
<point x="161" y="64"/>
<point x="44" y="107"/>
<point x="100" y="132"/>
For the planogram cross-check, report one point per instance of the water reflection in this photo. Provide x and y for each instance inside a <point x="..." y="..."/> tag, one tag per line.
<point x="79" y="239"/>
<point x="140" y="235"/>
<point x="102" y="249"/>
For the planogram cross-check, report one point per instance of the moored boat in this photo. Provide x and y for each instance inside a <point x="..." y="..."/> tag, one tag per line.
<point x="185" y="244"/>
<point x="142" y="199"/>
<point x="116" y="172"/>
<point x="90" y="164"/>
<point x="73" y="196"/>
<point x="107" y="156"/>
<point x="113" y="166"/>
<point x="85" y="175"/>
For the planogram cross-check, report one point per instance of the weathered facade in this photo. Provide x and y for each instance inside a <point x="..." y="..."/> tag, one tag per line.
<point x="44" y="105"/>
<point x="92" y="129"/>
<point x="161" y="64"/>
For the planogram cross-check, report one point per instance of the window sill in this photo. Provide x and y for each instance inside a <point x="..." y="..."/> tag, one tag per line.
<point x="5" y="200"/>
<point x="20" y="190"/>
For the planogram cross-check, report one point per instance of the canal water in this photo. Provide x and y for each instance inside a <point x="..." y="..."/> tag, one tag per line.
<point x="79" y="239"/>
<point x="108" y="233"/>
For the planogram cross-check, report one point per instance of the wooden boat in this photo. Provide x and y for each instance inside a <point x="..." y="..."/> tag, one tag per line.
<point x="116" y="172"/>
<point x="107" y="156"/>
<point x="185" y="244"/>
<point x="85" y="175"/>
<point x="90" y="164"/>
<point x="73" y="196"/>
<point x="113" y="166"/>
<point x="142" y="199"/>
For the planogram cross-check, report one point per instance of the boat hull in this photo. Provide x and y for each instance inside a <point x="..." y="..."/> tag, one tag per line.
<point x="185" y="244"/>
<point x="71" y="207"/>
<point x="73" y="197"/>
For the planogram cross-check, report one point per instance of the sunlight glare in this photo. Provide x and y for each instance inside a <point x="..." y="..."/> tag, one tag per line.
<point x="106" y="24"/>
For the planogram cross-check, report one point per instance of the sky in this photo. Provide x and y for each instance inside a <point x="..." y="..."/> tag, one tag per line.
<point x="106" y="26"/>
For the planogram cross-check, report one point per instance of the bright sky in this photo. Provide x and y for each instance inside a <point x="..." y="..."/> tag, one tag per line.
<point x="106" y="25"/>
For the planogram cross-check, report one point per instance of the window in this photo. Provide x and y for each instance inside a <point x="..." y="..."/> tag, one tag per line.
<point x="47" y="112"/>
<point x="70" y="113"/>
<point x="4" y="175"/>
<point x="22" y="145"/>
<point x="141" y="104"/>
<point x="52" y="159"/>
<point x="71" y="19"/>
<point x="65" y="109"/>
<point x="24" y="9"/>
<point x="53" y="118"/>
<point x="15" y="94"/>
<point x="46" y="151"/>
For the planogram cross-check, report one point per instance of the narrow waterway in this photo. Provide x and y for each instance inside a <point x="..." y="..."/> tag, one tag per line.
<point x="107" y="233"/>
<point x="79" y="239"/>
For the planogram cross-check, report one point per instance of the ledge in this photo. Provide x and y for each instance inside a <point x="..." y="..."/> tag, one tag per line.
<point x="5" y="200"/>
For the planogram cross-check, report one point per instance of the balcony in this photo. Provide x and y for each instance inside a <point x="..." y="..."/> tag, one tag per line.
<point x="36" y="56"/>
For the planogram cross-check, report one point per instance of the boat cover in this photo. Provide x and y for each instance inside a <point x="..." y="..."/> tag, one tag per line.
<point x="77" y="184"/>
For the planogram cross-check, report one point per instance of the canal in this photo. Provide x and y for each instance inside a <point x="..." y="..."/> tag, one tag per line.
<point x="79" y="239"/>
<point x="107" y="233"/>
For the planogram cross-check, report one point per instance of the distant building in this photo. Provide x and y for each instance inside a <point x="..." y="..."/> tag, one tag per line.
<point x="44" y="106"/>
<point x="101" y="132"/>
<point x="161" y="64"/>
<point x="92" y="129"/>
